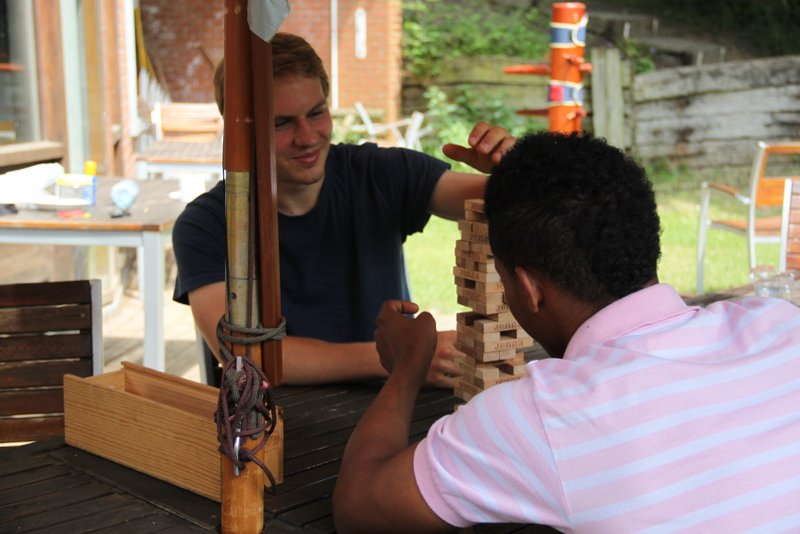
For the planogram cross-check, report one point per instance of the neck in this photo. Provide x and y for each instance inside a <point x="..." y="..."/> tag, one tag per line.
<point x="565" y="314"/>
<point x="298" y="199"/>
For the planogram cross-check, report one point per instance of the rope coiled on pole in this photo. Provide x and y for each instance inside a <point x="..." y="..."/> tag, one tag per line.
<point x="246" y="408"/>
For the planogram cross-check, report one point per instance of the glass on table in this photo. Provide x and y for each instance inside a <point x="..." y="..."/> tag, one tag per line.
<point x="768" y="282"/>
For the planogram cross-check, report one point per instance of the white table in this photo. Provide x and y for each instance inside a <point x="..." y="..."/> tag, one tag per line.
<point x="171" y="157"/>
<point x="148" y="228"/>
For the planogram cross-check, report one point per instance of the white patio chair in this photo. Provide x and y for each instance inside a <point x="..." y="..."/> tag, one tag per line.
<point x="403" y="133"/>
<point x="766" y="191"/>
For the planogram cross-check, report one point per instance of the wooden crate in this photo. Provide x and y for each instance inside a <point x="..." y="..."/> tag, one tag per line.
<point x="156" y="423"/>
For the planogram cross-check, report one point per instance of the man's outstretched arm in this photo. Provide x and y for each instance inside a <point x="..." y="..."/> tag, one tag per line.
<point x="312" y="361"/>
<point x="376" y="490"/>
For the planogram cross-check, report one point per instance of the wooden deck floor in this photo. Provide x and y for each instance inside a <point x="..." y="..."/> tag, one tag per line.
<point x="123" y="328"/>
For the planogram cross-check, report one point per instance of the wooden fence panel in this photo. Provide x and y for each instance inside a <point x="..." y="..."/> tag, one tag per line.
<point x="710" y="115"/>
<point x="605" y="97"/>
<point x="484" y="76"/>
<point x="714" y="115"/>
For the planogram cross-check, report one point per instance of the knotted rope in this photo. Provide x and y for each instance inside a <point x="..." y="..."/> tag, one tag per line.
<point x="246" y="408"/>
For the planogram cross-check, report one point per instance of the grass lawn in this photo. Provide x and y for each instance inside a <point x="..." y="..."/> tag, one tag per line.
<point x="430" y="255"/>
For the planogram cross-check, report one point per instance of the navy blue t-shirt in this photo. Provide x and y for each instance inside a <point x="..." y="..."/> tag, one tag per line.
<point x="338" y="262"/>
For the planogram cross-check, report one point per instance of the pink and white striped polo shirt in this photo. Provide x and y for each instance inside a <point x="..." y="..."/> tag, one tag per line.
<point x="660" y="418"/>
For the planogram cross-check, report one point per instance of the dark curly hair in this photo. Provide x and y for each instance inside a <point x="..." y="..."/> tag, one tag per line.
<point x="576" y="210"/>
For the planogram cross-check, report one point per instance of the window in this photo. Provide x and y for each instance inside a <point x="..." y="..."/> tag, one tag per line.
<point x="19" y="118"/>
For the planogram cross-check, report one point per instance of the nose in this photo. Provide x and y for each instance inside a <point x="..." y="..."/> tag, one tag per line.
<point x="304" y="133"/>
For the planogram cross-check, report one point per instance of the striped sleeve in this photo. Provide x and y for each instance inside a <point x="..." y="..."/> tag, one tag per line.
<point x="490" y="463"/>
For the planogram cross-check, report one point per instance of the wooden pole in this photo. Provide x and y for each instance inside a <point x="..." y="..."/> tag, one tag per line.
<point x="243" y="493"/>
<point x="566" y="68"/>
<point x="567" y="65"/>
<point x="266" y="194"/>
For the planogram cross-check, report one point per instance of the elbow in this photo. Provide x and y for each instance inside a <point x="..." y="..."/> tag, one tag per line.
<point x="345" y="516"/>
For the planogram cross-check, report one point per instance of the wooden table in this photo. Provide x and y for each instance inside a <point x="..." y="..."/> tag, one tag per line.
<point x="63" y="489"/>
<point x="148" y="228"/>
<point x="745" y="290"/>
<point x="169" y="157"/>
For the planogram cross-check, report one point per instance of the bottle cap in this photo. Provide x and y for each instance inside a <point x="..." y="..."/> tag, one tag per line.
<point x="90" y="167"/>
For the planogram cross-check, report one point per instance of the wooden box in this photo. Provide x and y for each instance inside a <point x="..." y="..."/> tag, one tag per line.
<point x="156" y="423"/>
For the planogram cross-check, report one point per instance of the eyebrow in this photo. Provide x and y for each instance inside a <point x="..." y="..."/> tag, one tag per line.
<point x="322" y="103"/>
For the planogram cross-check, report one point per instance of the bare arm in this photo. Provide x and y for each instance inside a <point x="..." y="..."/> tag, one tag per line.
<point x="376" y="490"/>
<point x="312" y="361"/>
<point x="487" y="144"/>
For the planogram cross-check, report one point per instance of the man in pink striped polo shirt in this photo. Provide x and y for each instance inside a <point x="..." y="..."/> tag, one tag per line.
<point x="651" y="415"/>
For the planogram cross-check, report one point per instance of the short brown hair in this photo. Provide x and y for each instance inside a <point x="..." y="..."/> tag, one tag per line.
<point x="291" y="54"/>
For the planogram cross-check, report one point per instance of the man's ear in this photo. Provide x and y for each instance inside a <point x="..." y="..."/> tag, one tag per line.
<point x="531" y="289"/>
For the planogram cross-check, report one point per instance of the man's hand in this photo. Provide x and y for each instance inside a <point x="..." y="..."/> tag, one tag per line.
<point x="487" y="144"/>
<point x="443" y="369"/>
<point x="403" y="342"/>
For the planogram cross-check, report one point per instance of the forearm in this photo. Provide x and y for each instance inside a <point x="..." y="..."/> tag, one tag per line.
<point x="311" y="361"/>
<point x="376" y="489"/>
<point x="452" y="190"/>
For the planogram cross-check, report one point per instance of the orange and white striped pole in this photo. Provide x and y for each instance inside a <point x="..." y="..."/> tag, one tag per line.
<point x="567" y="66"/>
<point x="566" y="69"/>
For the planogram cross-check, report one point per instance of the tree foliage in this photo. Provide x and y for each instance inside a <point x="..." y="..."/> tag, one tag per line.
<point x="436" y="29"/>
<point x="766" y="26"/>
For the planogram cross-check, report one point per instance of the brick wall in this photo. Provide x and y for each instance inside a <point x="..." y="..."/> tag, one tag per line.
<point x="185" y="39"/>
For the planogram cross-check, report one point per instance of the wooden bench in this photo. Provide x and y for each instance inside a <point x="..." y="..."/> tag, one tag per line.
<point x="47" y="330"/>
<point x="186" y="121"/>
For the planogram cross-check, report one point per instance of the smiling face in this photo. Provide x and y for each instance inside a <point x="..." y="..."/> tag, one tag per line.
<point x="303" y="128"/>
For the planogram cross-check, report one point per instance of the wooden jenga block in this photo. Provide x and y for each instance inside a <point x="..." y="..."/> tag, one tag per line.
<point x="468" y="254"/>
<point x="461" y="394"/>
<point x="474" y="216"/>
<point x="474" y="205"/>
<point x="487" y="325"/>
<point x="478" y="248"/>
<point x="483" y="356"/>
<point x="472" y="333"/>
<point x="473" y="265"/>
<point x="479" y="227"/>
<point x="466" y="387"/>
<point x="484" y="308"/>
<point x="471" y="367"/>
<point x="514" y="366"/>
<point x="465" y="343"/>
<point x="475" y="275"/>
<point x="463" y="246"/>
<point x="480" y="296"/>
<point x="501" y="317"/>
<point x="473" y="237"/>
<point x="485" y="287"/>
<point x="505" y="342"/>
<point x="502" y="378"/>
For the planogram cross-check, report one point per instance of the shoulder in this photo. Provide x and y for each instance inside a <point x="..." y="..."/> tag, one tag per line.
<point x="370" y="154"/>
<point x="206" y="212"/>
<point x="392" y="168"/>
<point x="210" y="202"/>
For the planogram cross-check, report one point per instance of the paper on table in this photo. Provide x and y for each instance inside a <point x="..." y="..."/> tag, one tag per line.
<point x="23" y="185"/>
<point x="53" y="203"/>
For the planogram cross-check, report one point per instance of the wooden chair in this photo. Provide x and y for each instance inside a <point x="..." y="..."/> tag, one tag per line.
<point x="766" y="191"/>
<point x="47" y="330"/>
<point x="186" y="121"/>
<point x="403" y="133"/>
<point x="790" y="227"/>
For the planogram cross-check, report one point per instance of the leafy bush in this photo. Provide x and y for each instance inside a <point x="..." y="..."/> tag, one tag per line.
<point x="452" y="118"/>
<point x="768" y="26"/>
<point x="435" y="29"/>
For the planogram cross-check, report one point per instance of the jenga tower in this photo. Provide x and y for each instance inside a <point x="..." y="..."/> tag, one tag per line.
<point x="489" y="335"/>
